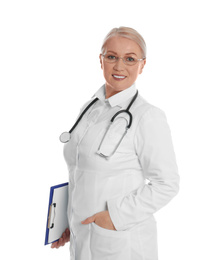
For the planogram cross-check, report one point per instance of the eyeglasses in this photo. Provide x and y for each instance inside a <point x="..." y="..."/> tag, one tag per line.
<point x="128" y="60"/>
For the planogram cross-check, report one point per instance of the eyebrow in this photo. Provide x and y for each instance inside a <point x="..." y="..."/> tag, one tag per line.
<point x="125" y="54"/>
<point x="112" y="52"/>
<point x="131" y="53"/>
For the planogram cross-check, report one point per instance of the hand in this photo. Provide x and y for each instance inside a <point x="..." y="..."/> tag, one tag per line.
<point x="101" y="219"/>
<point x="64" y="239"/>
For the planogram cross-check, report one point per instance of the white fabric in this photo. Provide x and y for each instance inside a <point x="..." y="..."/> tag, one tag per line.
<point x="119" y="184"/>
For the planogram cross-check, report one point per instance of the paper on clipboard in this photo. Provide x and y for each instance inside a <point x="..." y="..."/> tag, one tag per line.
<point x="57" y="220"/>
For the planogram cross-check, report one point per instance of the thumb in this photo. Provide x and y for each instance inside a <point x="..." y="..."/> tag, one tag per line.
<point x="88" y="220"/>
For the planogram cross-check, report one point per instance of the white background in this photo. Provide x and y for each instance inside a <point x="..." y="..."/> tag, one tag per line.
<point x="49" y="68"/>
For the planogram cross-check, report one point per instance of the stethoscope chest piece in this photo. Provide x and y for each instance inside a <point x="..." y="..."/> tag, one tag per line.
<point x="65" y="137"/>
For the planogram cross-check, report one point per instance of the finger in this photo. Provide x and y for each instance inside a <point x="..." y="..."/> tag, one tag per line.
<point x="64" y="236"/>
<point x="67" y="235"/>
<point x="59" y="242"/>
<point x="55" y="244"/>
<point x="67" y="232"/>
<point x="88" y="220"/>
<point x="62" y="243"/>
<point x="67" y="238"/>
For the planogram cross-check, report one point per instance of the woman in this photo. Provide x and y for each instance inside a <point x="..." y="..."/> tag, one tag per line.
<point x="111" y="205"/>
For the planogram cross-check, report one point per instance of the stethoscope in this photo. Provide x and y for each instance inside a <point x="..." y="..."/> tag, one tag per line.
<point x="66" y="136"/>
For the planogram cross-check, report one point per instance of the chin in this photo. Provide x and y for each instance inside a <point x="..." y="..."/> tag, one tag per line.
<point x="119" y="86"/>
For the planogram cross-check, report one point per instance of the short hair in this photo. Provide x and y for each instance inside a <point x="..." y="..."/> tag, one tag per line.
<point x="126" y="32"/>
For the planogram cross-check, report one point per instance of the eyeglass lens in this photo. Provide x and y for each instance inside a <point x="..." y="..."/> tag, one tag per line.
<point x="129" y="60"/>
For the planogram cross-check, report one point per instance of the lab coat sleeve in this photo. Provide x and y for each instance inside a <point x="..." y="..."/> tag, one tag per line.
<point x="154" y="148"/>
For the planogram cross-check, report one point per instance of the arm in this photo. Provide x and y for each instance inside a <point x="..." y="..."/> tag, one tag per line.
<point x="154" y="148"/>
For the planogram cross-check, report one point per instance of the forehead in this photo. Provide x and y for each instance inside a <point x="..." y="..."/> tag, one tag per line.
<point x="121" y="46"/>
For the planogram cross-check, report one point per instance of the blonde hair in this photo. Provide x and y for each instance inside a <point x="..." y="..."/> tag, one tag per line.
<point x="126" y="32"/>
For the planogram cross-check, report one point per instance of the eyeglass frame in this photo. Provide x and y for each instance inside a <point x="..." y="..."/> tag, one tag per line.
<point x="118" y="58"/>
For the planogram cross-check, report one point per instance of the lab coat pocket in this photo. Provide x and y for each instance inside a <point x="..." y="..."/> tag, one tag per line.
<point x="109" y="244"/>
<point x="109" y="139"/>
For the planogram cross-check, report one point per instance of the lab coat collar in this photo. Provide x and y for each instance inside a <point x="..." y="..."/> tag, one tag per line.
<point x="118" y="99"/>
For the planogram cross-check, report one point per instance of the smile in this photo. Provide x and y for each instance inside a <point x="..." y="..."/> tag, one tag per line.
<point x="118" y="77"/>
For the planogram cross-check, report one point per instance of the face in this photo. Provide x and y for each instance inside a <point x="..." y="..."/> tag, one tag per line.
<point x="118" y="75"/>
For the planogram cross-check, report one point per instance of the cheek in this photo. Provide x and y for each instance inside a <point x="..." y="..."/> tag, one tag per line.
<point x="134" y="73"/>
<point x="106" y="69"/>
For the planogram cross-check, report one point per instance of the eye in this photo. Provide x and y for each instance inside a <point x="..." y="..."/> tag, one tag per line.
<point x="130" y="59"/>
<point x="111" y="57"/>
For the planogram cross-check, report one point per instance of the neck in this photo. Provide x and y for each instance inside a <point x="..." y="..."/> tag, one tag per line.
<point x="110" y="92"/>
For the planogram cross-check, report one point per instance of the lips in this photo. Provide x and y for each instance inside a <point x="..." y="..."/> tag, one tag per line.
<point x="118" y="77"/>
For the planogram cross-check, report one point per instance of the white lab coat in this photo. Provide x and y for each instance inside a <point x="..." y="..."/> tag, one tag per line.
<point x="119" y="184"/>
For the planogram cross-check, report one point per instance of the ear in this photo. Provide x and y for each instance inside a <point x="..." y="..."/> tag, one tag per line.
<point x="142" y="65"/>
<point x="101" y="62"/>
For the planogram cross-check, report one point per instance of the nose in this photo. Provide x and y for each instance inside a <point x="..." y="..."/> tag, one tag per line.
<point x="119" y="65"/>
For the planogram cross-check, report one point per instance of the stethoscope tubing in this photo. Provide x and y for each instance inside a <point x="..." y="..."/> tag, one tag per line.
<point x="124" y="111"/>
<point x="84" y="111"/>
<point x="66" y="136"/>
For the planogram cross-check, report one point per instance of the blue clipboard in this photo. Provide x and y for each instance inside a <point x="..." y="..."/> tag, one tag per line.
<point x="57" y="220"/>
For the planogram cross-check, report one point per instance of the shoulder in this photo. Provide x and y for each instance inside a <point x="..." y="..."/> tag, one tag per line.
<point x="145" y="111"/>
<point x="151" y="124"/>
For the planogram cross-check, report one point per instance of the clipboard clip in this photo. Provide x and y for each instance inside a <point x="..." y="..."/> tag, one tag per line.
<point x="52" y="214"/>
